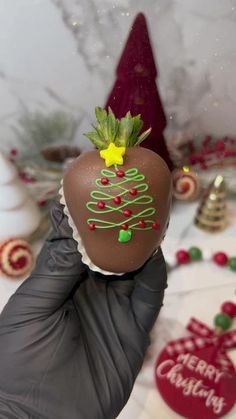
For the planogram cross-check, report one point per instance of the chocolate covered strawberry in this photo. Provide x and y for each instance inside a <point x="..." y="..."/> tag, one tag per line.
<point x="117" y="197"/>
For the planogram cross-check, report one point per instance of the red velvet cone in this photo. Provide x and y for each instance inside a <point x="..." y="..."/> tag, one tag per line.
<point x="135" y="88"/>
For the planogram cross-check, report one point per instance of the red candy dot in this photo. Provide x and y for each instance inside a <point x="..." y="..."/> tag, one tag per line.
<point x="125" y="226"/>
<point x="127" y="212"/>
<point x="185" y="186"/>
<point x="220" y="258"/>
<point x="117" y="200"/>
<point x="104" y="181"/>
<point x="155" y="226"/>
<point x="182" y="257"/>
<point x="133" y="191"/>
<point x="120" y="173"/>
<point x="20" y="264"/>
<point x="228" y="307"/>
<point x="92" y="226"/>
<point x="101" y="204"/>
<point x="142" y="224"/>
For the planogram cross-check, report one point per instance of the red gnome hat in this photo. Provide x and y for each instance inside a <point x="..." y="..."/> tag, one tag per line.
<point x="135" y="89"/>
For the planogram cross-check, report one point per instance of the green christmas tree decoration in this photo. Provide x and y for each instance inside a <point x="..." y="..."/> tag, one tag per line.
<point x="104" y="202"/>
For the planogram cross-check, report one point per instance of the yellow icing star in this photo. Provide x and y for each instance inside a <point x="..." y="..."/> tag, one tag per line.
<point x="113" y="155"/>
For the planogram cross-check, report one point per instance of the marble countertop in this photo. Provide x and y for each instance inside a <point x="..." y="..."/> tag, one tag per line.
<point x="197" y="290"/>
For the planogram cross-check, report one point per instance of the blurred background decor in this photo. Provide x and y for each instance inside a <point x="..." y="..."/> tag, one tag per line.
<point x="19" y="214"/>
<point x="212" y="212"/>
<point x="16" y="258"/>
<point x="135" y="89"/>
<point x="45" y="148"/>
<point x="186" y="184"/>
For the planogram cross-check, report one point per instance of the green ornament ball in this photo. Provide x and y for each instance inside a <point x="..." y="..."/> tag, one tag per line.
<point x="223" y="321"/>
<point x="232" y="263"/>
<point x="195" y="254"/>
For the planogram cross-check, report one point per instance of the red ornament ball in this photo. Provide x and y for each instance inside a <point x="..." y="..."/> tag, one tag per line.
<point x="104" y="181"/>
<point x="133" y="192"/>
<point x="120" y="173"/>
<point x="155" y="226"/>
<point x="125" y="226"/>
<point x="142" y="224"/>
<point x="92" y="226"/>
<point x="101" y="204"/>
<point x="182" y="257"/>
<point x="220" y="258"/>
<point x="127" y="212"/>
<point x="117" y="200"/>
<point x="228" y="307"/>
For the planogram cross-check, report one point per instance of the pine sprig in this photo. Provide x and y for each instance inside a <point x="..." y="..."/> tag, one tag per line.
<point x="38" y="130"/>
<point x="122" y="132"/>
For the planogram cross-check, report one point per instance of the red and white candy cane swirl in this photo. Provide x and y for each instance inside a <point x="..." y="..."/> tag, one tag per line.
<point x="186" y="185"/>
<point x="16" y="258"/>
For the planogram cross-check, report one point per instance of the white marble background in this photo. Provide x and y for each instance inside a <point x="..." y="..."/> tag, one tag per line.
<point x="61" y="54"/>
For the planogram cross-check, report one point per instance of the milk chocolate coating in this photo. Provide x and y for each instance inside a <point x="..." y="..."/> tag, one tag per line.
<point x="102" y="245"/>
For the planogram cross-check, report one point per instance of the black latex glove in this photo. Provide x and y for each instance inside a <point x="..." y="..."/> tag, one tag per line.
<point x="72" y="341"/>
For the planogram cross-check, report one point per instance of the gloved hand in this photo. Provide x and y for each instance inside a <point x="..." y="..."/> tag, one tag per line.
<point x="73" y="341"/>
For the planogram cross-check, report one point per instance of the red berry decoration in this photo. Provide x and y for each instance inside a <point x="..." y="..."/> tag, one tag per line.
<point x="117" y="200"/>
<point x="101" y="204"/>
<point x="142" y="224"/>
<point x="228" y="307"/>
<point x="127" y="213"/>
<point x="182" y="257"/>
<point x="220" y="145"/>
<point x="13" y="152"/>
<point x="92" y="226"/>
<point x="155" y="226"/>
<point x="133" y="192"/>
<point x="220" y="258"/>
<point x="125" y="226"/>
<point x="120" y="173"/>
<point x="104" y="181"/>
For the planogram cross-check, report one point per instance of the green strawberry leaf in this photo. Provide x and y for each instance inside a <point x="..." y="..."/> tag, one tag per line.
<point x="143" y="136"/>
<point x="137" y="126"/>
<point x="122" y="132"/>
<point x="125" y="130"/>
<point x="113" y="125"/>
<point x="95" y="139"/>
<point x="100" y="113"/>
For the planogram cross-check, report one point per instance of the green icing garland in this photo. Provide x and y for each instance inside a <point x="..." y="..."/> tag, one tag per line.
<point x="130" y="175"/>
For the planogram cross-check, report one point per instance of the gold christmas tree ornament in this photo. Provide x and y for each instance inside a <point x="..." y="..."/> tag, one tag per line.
<point x="212" y="213"/>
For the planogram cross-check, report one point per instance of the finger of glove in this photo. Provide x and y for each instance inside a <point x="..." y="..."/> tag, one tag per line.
<point x="59" y="221"/>
<point x="59" y="255"/>
<point x="121" y="284"/>
<point x="148" y="294"/>
<point x="58" y="270"/>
